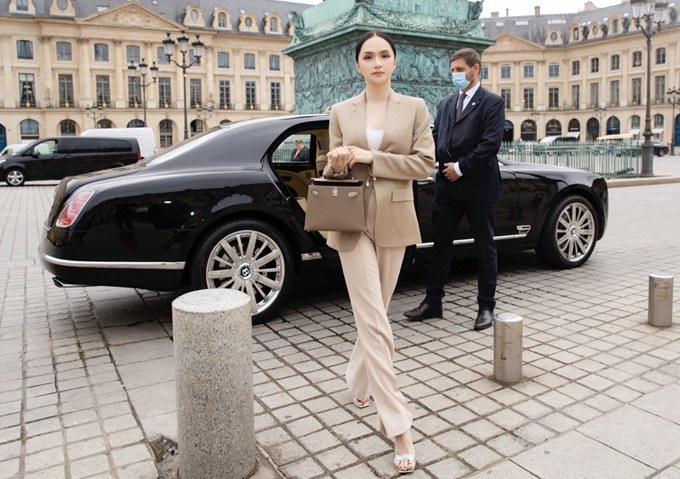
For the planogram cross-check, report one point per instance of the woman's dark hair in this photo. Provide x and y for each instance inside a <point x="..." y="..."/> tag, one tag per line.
<point x="368" y="35"/>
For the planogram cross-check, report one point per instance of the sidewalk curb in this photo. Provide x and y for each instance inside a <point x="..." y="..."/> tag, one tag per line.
<point x="656" y="180"/>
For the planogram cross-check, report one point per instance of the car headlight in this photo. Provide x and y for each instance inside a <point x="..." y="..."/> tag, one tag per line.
<point x="72" y="208"/>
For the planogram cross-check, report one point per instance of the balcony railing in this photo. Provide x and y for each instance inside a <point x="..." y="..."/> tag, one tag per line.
<point x="226" y="106"/>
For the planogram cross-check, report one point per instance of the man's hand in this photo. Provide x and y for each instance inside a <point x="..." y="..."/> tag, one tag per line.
<point x="360" y="156"/>
<point x="450" y="172"/>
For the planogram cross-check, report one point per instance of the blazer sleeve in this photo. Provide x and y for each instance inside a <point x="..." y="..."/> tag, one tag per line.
<point x="419" y="163"/>
<point x="335" y="137"/>
<point x="489" y="145"/>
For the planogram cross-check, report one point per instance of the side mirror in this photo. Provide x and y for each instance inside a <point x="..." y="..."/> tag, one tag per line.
<point x="35" y="154"/>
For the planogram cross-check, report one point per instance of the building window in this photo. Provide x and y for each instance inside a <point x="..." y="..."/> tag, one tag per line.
<point x="595" y="30"/>
<point x="635" y="121"/>
<point x="554" y="70"/>
<point x="24" y="50"/>
<point x="637" y="59"/>
<point x="659" y="89"/>
<point x="22" y="5"/>
<point x="195" y="92"/>
<point x="103" y="90"/>
<point x="165" y="133"/>
<point x="660" y="56"/>
<point x="193" y="14"/>
<point x="248" y="22"/>
<point x="101" y="52"/>
<point x="136" y="123"/>
<point x="615" y="62"/>
<point x="27" y="90"/>
<point x="595" y="95"/>
<point x="275" y="95"/>
<point x="553" y="36"/>
<point x="67" y="127"/>
<point x="161" y="58"/>
<point x="594" y="65"/>
<point x="484" y="72"/>
<point x="29" y="130"/>
<point x="225" y="94"/>
<point x="505" y="71"/>
<point x="132" y="53"/>
<point x="64" y="52"/>
<point x="222" y="59"/>
<point x="65" y="90"/>
<point x="192" y="56"/>
<point x="104" y="123"/>
<point x="658" y="120"/>
<point x="636" y="90"/>
<point x="274" y="63"/>
<point x="614" y="93"/>
<point x="134" y="92"/>
<point x="273" y="24"/>
<point x="221" y="20"/>
<point x="576" y="67"/>
<point x="528" y="71"/>
<point x="576" y="96"/>
<point x="249" y="61"/>
<point x="164" y="93"/>
<point x="553" y="98"/>
<point x="528" y="98"/>
<point x="507" y="98"/>
<point x="251" y="97"/>
<point x="575" y="34"/>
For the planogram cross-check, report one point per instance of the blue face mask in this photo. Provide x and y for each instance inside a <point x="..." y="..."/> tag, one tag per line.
<point x="460" y="80"/>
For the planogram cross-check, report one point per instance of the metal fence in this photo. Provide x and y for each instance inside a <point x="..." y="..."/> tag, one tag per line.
<point x="609" y="159"/>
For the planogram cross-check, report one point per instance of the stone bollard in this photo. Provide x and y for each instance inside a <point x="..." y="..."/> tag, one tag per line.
<point x="214" y="380"/>
<point x="507" y="348"/>
<point x="660" y="308"/>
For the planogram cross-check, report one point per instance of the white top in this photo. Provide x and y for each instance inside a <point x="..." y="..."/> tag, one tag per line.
<point x="374" y="138"/>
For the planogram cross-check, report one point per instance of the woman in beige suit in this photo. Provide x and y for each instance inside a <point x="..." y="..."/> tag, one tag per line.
<point x="384" y="138"/>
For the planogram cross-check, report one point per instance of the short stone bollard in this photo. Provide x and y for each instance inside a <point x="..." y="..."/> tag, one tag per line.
<point x="660" y="308"/>
<point x="507" y="348"/>
<point x="214" y="380"/>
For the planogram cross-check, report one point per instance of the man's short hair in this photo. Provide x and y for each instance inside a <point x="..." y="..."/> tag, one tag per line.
<point x="298" y="140"/>
<point x="470" y="56"/>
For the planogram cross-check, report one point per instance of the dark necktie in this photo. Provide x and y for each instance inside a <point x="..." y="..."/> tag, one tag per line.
<point x="459" y="109"/>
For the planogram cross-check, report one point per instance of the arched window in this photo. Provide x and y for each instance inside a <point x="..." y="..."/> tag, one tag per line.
<point x="635" y="121"/>
<point x="249" y="22"/>
<point x="658" y="120"/>
<point x="528" y="130"/>
<point x="553" y="127"/>
<point x="575" y="34"/>
<point x="136" y="123"/>
<point x="196" y="127"/>
<point x="613" y="126"/>
<point x="165" y="131"/>
<point x="104" y="123"/>
<point x="574" y="125"/>
<point x="273" y="24"/>
<point x="29" y="130"/>
<point x="67" y="127"/>
<point x="222" y="20"/>
<point x="592" y="129"/>
<point x="615" y="26"/>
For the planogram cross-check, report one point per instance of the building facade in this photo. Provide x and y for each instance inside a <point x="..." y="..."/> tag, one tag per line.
<point x="65" y="69"/>
<point x="583" y="73"/>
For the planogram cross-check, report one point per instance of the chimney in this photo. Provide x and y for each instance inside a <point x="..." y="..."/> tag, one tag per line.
<point x="537" y="10"/>
<point x="507" y="12"/>
<point x="494" y="14"/>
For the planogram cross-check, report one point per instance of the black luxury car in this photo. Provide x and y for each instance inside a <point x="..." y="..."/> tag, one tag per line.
<point x="226" y="209"/>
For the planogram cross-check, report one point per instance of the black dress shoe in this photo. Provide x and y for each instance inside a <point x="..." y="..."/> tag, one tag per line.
<point x="484" y="319"/>
<point x="424" y="311"/>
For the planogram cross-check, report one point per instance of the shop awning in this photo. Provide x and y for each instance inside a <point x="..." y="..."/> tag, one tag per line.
<point x="635" y="131"/>
<point x="657" y="131"/>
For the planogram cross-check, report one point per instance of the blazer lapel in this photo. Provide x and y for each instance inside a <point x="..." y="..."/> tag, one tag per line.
<point x="452" y="104"/>
<point x="394" y="114"/>
<point x="358" y="115"/>
<point x="472" y="104"/>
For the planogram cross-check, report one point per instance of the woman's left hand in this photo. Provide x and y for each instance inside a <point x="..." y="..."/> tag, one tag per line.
<point x="360" y="156"/>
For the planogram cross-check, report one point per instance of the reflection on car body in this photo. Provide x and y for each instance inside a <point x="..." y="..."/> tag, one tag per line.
<point x="226" y="209"/>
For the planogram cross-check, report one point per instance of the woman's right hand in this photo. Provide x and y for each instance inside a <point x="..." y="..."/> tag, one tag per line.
<point x="339" y="158"/>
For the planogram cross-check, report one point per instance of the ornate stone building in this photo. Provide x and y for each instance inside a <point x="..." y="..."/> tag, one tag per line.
<point x="582" y="72"/>
<point x="65" y="65"/>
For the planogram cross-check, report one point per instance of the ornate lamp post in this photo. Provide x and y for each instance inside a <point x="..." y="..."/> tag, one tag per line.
<point x="169" y="46"/>
<point x="673" y="99"/>
<point x="601" y="112"/>
<point x="535" y="115"/>
<point x="94" y="112"/>
<point x="204" y="112"/>
<point x="144" y="70"/>
<point x="646" y="13"/>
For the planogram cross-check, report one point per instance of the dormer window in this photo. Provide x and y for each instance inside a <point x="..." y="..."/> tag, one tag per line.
<point x="62" y="4"/>
<point x="595" y="30"/>
<point x="575" y="34"/>
<point x="273" y="24"/>
<point x="222" y="20"/>
<point x="248" y="22"/>
<point x="22" y="5"/>
<point x="193" y="15"/>
<point x="553" y="37"/>
<point x="615" y="26"/>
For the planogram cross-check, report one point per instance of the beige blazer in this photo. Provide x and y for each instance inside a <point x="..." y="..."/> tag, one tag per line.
<point x="405" y="154"/>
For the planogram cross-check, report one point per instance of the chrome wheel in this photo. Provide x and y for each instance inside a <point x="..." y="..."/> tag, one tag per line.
<point x="575" y="232"/>
<point x="248" y="261"/>
<point x="15" y="177"/>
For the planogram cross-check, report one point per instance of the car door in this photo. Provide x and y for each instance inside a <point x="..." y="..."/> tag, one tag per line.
<point x="43" y="161"/>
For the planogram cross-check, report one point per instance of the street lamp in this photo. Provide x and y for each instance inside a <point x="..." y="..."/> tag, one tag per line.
<point x="652" y="13"/>
<point x="601" y="112"/>
<point x="204" y="112"/>
<point x="94" y="112"/>
<point x="144" y="70"/>
<point x="169" y="46"/>
<point x="673" y="99"/>
<point x="535" y="114"/>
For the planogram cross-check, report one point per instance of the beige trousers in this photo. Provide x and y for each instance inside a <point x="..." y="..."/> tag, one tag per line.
<point x="371" y="274"/>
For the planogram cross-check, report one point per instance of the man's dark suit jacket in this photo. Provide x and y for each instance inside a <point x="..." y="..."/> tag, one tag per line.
<point x="473" y="140"/>
<point x="302" y="156"/>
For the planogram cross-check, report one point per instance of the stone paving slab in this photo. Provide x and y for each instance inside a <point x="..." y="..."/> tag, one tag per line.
<point x="86" y="374"/>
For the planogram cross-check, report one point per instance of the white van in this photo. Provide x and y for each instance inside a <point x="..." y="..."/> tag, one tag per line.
<point x="145" y="136"/>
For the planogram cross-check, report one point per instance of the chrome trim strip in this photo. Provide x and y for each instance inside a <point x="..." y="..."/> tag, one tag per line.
<point x="163" y="265"/>
<point x="311" y="256"/>
<point x="471" y="241"/>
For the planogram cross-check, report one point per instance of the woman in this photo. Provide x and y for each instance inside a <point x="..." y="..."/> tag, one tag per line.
<point x="384" y="138"/>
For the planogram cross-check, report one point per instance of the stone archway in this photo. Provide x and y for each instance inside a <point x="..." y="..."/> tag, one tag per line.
<point x="528" y="130"/>
<point x="508" y="131"/>
<point x="592" y="129"/>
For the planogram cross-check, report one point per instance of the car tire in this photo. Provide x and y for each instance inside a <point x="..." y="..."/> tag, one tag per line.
<point x="241" y="246"/>
<point x="569" y="233"/>
<point x="15" y="177"/>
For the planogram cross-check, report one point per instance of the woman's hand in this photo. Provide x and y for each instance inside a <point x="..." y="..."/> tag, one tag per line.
<point x="339" y="158"/>
<point x="359" y="155"/>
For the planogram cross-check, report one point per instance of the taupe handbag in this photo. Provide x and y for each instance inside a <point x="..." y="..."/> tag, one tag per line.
<point x="335" y="205"/>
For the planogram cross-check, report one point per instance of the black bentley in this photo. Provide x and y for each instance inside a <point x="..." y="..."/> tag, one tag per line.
<point x="225" y="209"/>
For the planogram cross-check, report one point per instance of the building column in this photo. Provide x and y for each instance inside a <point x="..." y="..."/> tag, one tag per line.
<point x="46" y="76"/>
<point x="152" y="89"/>
<point x="84" y="85"/>
<point x="237" y="92"/>
<point x="118" y="97"/>
<point x="10" y="82"/>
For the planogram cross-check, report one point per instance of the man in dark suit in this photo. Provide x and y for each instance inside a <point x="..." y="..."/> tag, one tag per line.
<point x="467" y="131"/>
<point x="301" y="152"/>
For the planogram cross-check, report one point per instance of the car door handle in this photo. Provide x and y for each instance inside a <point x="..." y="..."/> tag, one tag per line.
<point x="426" y="181"/>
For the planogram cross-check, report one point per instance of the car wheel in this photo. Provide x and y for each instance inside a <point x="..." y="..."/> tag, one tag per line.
<point x="15" y="177"/>
<point x="569" y="233"/>
<point x="249" y="256"/>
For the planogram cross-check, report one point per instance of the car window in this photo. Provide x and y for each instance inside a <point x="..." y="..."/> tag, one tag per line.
<point x="48" y="147"/>
<point x="113" y="145"/>
<point x="294" y="149"/>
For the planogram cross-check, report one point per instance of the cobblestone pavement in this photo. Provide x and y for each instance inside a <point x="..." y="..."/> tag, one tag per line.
<point x="87" y="374"/>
